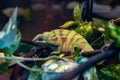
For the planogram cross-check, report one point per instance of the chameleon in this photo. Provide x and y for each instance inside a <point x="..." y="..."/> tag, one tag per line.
<point x="66" y="39"/>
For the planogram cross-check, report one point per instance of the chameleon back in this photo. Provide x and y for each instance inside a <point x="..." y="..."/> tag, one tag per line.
<point x="67" y="40"/>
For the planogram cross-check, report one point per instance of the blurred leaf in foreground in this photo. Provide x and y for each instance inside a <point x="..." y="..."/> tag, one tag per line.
<point x="54" y="68"/>
<point x="34" y="75"/>
<point x="2" y="55"/>
<point x="110" y="30"/>
<point x="100" y="24"/>
<point x="9" y="31"/>
<point x="4" y="68"/>
<point x="12" y="48"/>
<point x="89" y="74"/>
<point x="10" y="38"/>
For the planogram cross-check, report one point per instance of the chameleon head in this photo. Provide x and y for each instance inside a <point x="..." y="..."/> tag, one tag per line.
<point x="40" y="36"/>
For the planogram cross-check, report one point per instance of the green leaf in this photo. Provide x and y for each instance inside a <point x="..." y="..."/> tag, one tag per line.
<point x="9" y="31"/>
<point x="69" y="24"/>
<point x="100" y="23"/>
<point x="118" y="42"/>
<point x="85" y="29"/>
<point x="112" y="32"/>
<point x="98" y="42"/>
<point x="77" y="13"/>
<point x="102" y="76"/>
<point x="76" y="52"/>
<point x="111" y="72"/>
<point x="12" y="48"/>
<point x="34" y="75"/>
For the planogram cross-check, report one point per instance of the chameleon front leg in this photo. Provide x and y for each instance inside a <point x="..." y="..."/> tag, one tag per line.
<point x="58" y="51"/>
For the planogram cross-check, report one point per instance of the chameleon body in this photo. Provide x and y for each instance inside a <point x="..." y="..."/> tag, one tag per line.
<point x="67" y="40"/>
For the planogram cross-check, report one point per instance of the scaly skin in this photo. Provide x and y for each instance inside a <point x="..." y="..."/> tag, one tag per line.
<point x="67" y="40"/>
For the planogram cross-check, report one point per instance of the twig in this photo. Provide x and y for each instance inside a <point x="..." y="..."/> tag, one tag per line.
<point x="19" y="63"/>
<point x="91" y="53"/>
<point x="16" y="60"/>
<point x="26" y="67"/>
<point x="28" y="41"/>
<point x="31" y="59"/>
<point x="39" y="59"/>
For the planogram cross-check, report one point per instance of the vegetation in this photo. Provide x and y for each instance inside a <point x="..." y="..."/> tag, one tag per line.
<point x="44" y="58"/>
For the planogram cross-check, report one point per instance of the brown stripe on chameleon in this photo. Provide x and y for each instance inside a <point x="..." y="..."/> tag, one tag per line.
<point x="61" y="30"/>
<point x="68" y="33"/>
<point x="66" y="47"/>
<point x="68" y="43"/>
<point x="69" y="47"/>
<point x="63" y="38"/>
<point x="72" y="39"/>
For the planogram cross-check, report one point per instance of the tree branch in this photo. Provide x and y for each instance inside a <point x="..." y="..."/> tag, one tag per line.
<point x="86" y="65"/>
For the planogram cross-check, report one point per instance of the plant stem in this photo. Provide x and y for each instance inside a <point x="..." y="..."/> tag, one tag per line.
<point x="18" y="60"/>
<point x="26" y="67"/>
<point x="31" y="59"/>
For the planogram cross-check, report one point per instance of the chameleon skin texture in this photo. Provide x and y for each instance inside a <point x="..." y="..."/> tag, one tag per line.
<point x="67" y="40"/>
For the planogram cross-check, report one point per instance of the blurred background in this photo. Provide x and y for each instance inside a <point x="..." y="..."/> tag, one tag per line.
<point x="37" y="16"/>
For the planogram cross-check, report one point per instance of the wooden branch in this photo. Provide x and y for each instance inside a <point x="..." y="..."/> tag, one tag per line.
<point x="28" y="41"/>
<point x="91" y="53"/>
<point x="86" y="65"/>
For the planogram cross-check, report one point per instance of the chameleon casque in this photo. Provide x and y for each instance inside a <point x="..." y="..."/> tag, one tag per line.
<point x="66" y="39"/>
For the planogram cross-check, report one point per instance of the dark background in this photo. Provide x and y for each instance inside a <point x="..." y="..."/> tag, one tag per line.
<point x="45" y="15"/>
